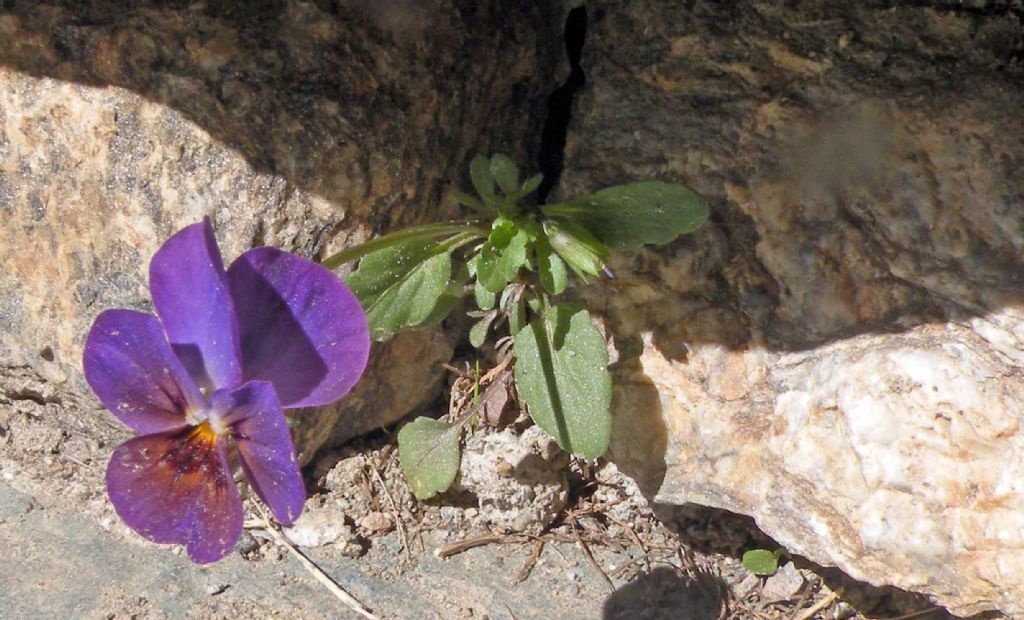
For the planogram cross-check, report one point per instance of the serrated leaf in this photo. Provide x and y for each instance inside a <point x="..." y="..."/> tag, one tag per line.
<point x="502" y="255"/>
<point x="429" y="455"/>
<point x="400" y="286"/>
<point x="550" y="267"/>
<point x="761" y="562"/>
<point x="478" y="332"/>
<point x="628" y="216"/>
<point x="562" y="375"/>
<point x="480" y="175"/>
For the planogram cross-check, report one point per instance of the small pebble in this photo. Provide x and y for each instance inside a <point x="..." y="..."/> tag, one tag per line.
<point x="376" y="522"/>
<point x="247" y="544"/>
<point x="504" y="469"/>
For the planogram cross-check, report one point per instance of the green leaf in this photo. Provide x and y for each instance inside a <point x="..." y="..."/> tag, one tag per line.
<point x="517" y="317"/>
<point x="484" y="298"/>
<point x="504" y="171"/>
<point x="469" y="201"/>
<point x="429" y="455"/>
<point x="562" y="375"/>
<point x="550" y="267"/>
<point x="478" y="332"/>
<point x="465" y="199"/>
<point x="400" y="286"/>
<point x="626" y="217"/>
<point x="480" y="175"/>
<point x="531" y="184"/>
<point x="761" y="562"/>
<point x="502" y="255"/>
<point x="400" y="237"/>
<point x="445" y="303"/>
<point x="515" y="308"/>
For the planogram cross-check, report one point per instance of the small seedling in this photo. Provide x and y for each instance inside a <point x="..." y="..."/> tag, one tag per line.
<point x="515" y="260"/>
<point x="762" y="562"/>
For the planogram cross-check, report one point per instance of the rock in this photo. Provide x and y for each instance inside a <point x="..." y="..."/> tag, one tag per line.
<point x="57" y="563"/>
<point x="403" y="374"/>
<point x="784" y="584"/>
<point x="325" y="526"/>
<point x="376" y="523"/>
<point x="346" y="476"/>
<point x="301" y="126"/>
<point x="213" y="589"/>
<point x="836" y="353"/>
<point x="618" y="496"/>
<point x="518" y="479"/>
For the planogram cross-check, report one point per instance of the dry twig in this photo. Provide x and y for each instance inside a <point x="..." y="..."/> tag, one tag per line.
<point x="524" y="572"/>
<point x="821" y="605"/>
<point x="455" y="548"/>
<point x="394" y="510"/>
<point x="590" y="556"/>
<point x="347" y="599"/>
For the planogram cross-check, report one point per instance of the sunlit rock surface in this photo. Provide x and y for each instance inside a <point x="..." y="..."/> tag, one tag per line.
<point x="302" y="126"/>
<point x="837" y="352"/>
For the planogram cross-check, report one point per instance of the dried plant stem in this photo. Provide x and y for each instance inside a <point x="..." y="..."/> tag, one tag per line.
<point x="456" y="548"/>
<point x="394" y="510"/>
<point x="524" y="572"/>
<point x="819" y="606"/>
<point x="590" y="557"/>
<point x="347" y="599"/>
<point x="624" y="567"/>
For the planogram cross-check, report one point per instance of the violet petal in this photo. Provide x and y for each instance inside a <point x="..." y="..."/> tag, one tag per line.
<point x="190" y="293"/>
<point x="131" y="368"/>
<point x="301" y="328"/>
<point x="175" y="487"/>
<point x="258" y="426"/>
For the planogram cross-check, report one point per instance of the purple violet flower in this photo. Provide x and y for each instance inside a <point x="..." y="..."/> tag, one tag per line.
<point x="229" y="351"/>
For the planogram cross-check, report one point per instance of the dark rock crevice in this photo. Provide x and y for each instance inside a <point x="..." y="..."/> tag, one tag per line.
<point x="551" y="155"/>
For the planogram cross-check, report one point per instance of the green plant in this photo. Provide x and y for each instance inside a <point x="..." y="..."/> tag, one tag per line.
<point x="762" y="562"/>
<point x="515" y="260"/>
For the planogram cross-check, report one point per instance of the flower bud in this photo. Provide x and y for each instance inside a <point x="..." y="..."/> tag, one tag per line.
<point x="577" y="247"/>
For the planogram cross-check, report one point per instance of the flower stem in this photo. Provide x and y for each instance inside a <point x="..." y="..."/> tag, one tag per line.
<point x="427" y="231"/>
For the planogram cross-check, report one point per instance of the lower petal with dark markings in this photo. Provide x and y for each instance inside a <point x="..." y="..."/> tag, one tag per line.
<point x="176" y="487"/>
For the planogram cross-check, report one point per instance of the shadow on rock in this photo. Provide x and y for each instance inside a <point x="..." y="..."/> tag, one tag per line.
<point x="664" y="593"/>
<point x="363" y="104"/>
<point x="713" y="531"/>
<point x="639" y="434"/>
